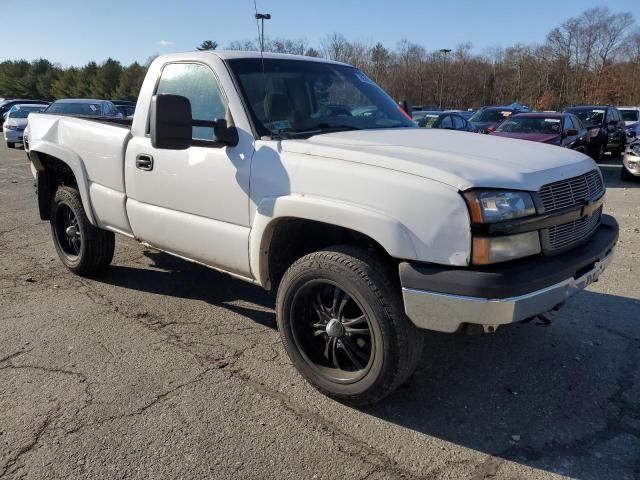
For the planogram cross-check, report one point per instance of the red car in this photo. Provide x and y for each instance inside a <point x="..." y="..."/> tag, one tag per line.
<point x="562" y="129"/>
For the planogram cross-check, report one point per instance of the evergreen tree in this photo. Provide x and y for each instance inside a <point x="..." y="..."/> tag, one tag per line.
<point x="106" y="80"/>
<point x="208" y="45"/>
<point x="130" y="82"/>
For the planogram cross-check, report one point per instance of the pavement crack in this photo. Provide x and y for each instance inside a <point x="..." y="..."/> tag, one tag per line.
<point x="141" y="409"/>
<point x="13" y="460"/>
<point x="14" y="355"/>
<point x="347" y="444"/>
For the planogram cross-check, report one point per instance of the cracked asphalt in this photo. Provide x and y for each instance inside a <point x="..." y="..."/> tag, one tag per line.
<point x="164" y="369"/>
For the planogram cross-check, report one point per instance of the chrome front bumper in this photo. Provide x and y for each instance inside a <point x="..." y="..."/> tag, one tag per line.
<point x="446" y="313"/>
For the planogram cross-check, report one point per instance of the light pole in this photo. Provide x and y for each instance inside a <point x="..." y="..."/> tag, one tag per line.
<point x="262" y="17"/>
<point x="443" y="52"/>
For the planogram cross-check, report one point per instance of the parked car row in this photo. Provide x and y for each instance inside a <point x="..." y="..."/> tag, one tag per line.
<point x="14" y="112"/>
<point x="592" y="129"/>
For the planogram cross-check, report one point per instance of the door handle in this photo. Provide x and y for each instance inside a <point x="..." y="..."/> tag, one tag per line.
<point x="144" y="162"/>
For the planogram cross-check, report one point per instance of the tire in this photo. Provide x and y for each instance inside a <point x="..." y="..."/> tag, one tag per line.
<point x="308" y="308"/>
<point x="598" y="155"/>
<point x="11" y="145"/>
<point x="86" y="249"/>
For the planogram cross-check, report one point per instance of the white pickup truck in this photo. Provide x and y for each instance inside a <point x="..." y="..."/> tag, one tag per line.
<point x="301" y="175"/>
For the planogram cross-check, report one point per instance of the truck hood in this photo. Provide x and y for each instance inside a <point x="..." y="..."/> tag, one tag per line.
<point x="461" y="160"/>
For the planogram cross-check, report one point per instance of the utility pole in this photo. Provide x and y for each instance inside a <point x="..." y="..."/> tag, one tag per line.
<point x="443" y="52"/>
<point x="262" y="17"/>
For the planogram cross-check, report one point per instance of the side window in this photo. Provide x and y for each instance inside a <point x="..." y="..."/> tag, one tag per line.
<point x="576" y="121"/>
<point x="568" y="123"/>
<point x="458" y="122"/>
<point x="199" y="84"/>
<point x="446" y="122"/>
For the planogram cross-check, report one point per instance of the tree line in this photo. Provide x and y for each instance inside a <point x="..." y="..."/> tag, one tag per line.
<point x="591" y="58"/>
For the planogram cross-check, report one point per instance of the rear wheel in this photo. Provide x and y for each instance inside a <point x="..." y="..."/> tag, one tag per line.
<point x="11" y="145"/>
<point x="82" y="247"/>
<point x="341" y="320"/>
<point x="598" y="155"/>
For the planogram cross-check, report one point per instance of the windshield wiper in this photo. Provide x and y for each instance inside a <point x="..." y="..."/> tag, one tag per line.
<point x="318" y="128"/>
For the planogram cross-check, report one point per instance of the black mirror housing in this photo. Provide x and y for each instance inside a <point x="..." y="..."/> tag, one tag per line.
<point x="225" y="134"/>
<point x="170" y="122"/>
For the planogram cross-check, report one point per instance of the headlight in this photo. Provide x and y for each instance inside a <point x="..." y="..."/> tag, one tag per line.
<point x="490" y="206"/>
<point x="486" y="250"/>
<point x="11" y="127"/>
<point x="634" y="149"/>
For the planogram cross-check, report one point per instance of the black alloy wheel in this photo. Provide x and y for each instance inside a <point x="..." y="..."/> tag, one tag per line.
<point x="332" y="331"/>
<point x="67" y="231"/>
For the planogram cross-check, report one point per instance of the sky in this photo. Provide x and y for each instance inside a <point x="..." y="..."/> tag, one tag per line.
<point x="73" y="32"/>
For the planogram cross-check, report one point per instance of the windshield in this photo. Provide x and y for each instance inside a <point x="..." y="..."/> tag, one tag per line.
<point x="493" y="115"/>
<point x="426" y="120"/>
<point x="589" y="116"/>
<point x="294" y="98"/>
<point x="530" y="125"/>
<point x="65" y="108"/>
<point x="23" y="112"/>
<point x="630" y="115"/>
<point x="126" y="110"/>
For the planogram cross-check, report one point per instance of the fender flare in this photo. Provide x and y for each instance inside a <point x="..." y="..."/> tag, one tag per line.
<point x="387" y="231"/>
<point x="73" y="161"/>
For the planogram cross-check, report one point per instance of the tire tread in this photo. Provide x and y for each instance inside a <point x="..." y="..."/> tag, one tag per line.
<point x="379" y="278"/>
<point x="99" y="245"/>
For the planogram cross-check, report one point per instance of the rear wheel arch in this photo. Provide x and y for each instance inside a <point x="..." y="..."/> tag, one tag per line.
<point x="55" y="171"/>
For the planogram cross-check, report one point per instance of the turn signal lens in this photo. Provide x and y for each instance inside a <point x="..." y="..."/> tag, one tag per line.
<point x="486" y="250"/>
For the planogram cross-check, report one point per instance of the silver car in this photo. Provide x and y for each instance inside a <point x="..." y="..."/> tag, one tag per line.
<point x="631" y="117"/>
<point x="631" y="162"/>
<point x="16" y="121"/>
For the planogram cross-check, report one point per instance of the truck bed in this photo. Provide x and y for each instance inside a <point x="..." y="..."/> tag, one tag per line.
<point x="100" y="143"/>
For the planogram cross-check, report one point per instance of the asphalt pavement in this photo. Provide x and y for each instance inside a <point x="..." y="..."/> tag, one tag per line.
<point x="163" y="369"/>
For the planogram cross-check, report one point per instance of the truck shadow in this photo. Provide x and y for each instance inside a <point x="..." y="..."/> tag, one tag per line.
<point x="563" y="397"/>
<point x="172" y="276"/>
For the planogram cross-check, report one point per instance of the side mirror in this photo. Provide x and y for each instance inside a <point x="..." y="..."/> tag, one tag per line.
<point x="225" y="134"/>
<point x="406" y="106"/>
<point x="572" y="132"/>
<point x="170" y="122"/>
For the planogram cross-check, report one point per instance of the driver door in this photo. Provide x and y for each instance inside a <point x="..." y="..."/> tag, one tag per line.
<point x="193" y="202"/>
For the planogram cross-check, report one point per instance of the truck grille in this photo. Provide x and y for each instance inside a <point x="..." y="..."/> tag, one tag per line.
<point x="571" y="192"/>
<point x="561" y="237"/>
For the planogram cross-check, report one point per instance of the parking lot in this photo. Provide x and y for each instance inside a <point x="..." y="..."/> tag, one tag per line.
<point x="164" y="369"/>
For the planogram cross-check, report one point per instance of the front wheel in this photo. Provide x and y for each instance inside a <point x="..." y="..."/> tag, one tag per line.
<point x="341" y="320"/>
<point x="11" y="145"/>
<point x="82" y="247"/>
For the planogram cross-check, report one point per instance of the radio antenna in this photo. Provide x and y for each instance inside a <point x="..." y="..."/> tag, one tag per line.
<point x="260" y="17"/>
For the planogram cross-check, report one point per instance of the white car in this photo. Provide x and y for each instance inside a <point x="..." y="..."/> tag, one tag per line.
<point x="16" y="121"/>
<point x="300" y="175"/>
<point x="631" y="117"/>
